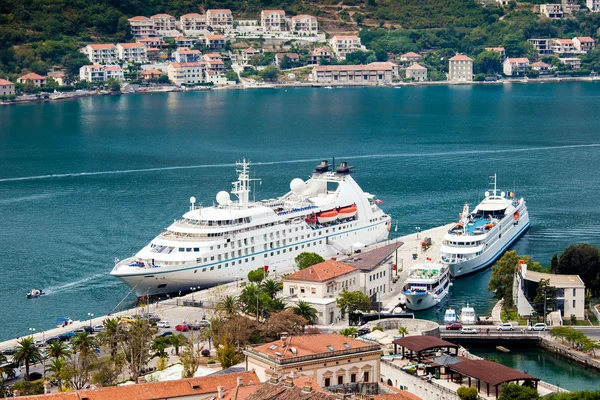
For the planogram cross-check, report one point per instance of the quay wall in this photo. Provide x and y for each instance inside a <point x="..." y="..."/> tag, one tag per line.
<point x="569" y="353"/>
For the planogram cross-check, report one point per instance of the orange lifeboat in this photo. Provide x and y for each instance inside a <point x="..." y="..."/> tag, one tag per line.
<point x="490" y="226"/>
<point x="312" y="219"/>
<point x="327" y="216"/>
<point x="516" y="216"/>
<point x="347" y="212"/>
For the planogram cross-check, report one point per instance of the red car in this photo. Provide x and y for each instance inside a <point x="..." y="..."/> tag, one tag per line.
<point x="182" y="328"/>
<point x="454" y="327"/>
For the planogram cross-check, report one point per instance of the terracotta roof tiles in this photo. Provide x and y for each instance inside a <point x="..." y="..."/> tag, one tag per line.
<point x="326" y="270"/>
<point x="460" y="57"/>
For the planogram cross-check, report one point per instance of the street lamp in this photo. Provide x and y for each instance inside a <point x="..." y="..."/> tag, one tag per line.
<point x="237" y="284"/>
<point x="91" y="317"/>
<point x="192" y="289"/>
<point x="31" y="330"/>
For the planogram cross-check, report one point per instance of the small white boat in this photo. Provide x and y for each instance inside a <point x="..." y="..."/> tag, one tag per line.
<point x="467" y="315"/>
<point x="426" y="286"/>
<point x="35" y="293"/>
<point x="450" y="316"/>
<point x="328" y="87"/>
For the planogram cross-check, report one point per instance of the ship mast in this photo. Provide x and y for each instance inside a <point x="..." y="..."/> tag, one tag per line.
<point x="494" y="183"/>
<point x="241" y="188"/>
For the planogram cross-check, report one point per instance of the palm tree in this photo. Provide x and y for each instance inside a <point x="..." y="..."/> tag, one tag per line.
<point x="83" y="344"/>
<point x="177" y="341"/>
<point x="306" y="311"/>
<point x="57" y="350"/>
<point x="403" y="331"/>
<point x="271" y="287"/>
<point x="5" y="373"/>
<point x="229" y="305"/>
<point x="56" y="368"/>
<point x="26" y="352"/>
<point x="349" y="332"/>
<point x="159" y="346"/>
<point x="109" y="336"/>
<point x="277" y="305"/>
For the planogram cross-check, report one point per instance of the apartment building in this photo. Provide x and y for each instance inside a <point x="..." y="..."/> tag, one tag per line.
<point x="319" y="53"/>
<point x="182" y="41"/>
<point x="105" y="53"/>
<point x="7" y="88"/>
<point x="571" y="62"/>
<point x="163" y="22"/>
<point x="304" y="25"/>
<point x="370" y="73"/>
<point x="37" y="80"/>
<point x="186" y="73"/>
<point x="273" y="20"/>
<point x="416" y="72"/>
<point x="570" y="6"/>
<point x="193" y="22"/>
<point x="132" y="52"/>
<point x="593" y="5"/>
<point x="584" y="44"/>
<point x="563" y="46"/>
<point x="151" y="74"/>
<point x="293" y="57"/>
<point x="515" y="66"/>
<point x="141" y="27"/>
<point x="221" y="18"/>
<point x="151" y="42"/>
<point x="344" y="44"/>
<point x="499" y="50"/>
<point x="460" y="69"/>
<point x="215" y="66"/>
<point x="552" y="11"/>
<point x="541" y="67"/>
<point x="100" y="73"/>
<point x="186" y="55"/>
<point x="542" y="46"/>
<point x="249" y="53"/>
<point x="213" y="41"/>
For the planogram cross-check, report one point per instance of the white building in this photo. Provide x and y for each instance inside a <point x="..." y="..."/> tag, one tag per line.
<point x="304" y="25"/>
<point x="570" y="6"/>
<point x="563" y="46"/>
<point x="249" y="53"/>
<point x="344" y="44"/>
<point x="219" y="19"/>
<point x="552" y="11"/>
<point x="132" y="52"/>
<point x="499" y="50"/>
<point x="572" y="62"/>
<point x="460" y="69"/>
<point x="593" y="5"/>
<point x="163" y="22"/>
<point x="100" y="73"/>
<point x="416" y="72"/>
<point x="7" y="88"/>
<point x="410" y="58"/>
<point x="193" y="22"/>
<point x="272" y="20"/>
<point x="186" y="73"/>
<point x="104" y="53"/>
<point x="213" y="41"/>
<point x="515" y="66"/>
<point x="541" y="67"/>
<point x="584" y="44"/>
<point x="141" y="27"/>
<point x="185" y="55"/>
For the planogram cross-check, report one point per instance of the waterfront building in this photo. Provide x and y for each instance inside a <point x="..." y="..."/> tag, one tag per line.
<point x="499" y="50"/>
<point x="37" y="80"/>
<point x="319" y="53"/>
<point x="319" y="285"/>
<point x="542" y="46"/>
<point x="410" y="58"/>
<point x="293" y="57"/>
<point x="215" y="66"/>
<point x="570" y="292"/>
<point x="416" y="72"/>
<point x="151" y="74"/>
<point x="369" y="73"/>
<point x="212" y="57"/>
<point x="213" y="41"/>
<point x="541" y="67"/>
<point x="331" y="359"/>
<point x="153" y="53"/>
<point x="132" y="52"/>
<point x="304" y="25"/>
<point x="7" y="88"/>
<point x="563" y="46"/>
<point x="249" y="53"/>
<point x="183" y="54"/>
<point x="100" y="73"/>
<point x="593" y="5"/>
<point x="570" y="6"/>
<point x="572" y="62"/>
<point x="185" y="73"/>
<point x="273" y="20"/>
<point x="151" y="42"/>
<point x="182" y="41"/>
<point x="552" y="11"/>
<point x="163" y="22"/>
<point x="192" y="22"/>
<point x="515" y="66"/>
<point x="105" y="53"/>
<point x="142" y="27"/>
<point x="584" y="44"/>
<point x="344" y="44"/>
<point x="460" y="69"/>
<point x="59" y="77"/>
<point x="219" y="19"/>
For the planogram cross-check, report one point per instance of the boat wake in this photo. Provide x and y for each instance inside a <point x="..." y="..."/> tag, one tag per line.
<point x="356" y="157"/>
<point x="69" y="286"/>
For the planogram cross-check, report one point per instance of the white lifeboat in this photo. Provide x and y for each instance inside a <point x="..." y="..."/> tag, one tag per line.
<point x="347" y="212"/>
<point x="327" y="216"/>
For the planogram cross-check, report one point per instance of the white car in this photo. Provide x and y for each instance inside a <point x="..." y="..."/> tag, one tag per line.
<point x="163" y="324"/>
<point x="538" y="327"/>
<point x="505" y="327"/>
<point x="98" y="328"/>
<point x="468" y="330"/>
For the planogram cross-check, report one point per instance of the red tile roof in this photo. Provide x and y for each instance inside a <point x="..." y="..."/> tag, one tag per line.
<point x="411" y="54"/>
<point x="5" y="82"/>
<point x="33" y="76"/>
<point x="193" y="15"/>
<point x="518" y="60"/>
<point x="417" y="67"/>
<point x="273" y="12"/>
<point x="585" y="39"/>
<point x="152" y="72"/>
<point x="188" y="64"/>
<point x="185" y="50"/>
<point x="131" y="45"/>
<point x="222" y="10"/>
<point x="328" y="269"/>
<point x="460" y="57"/>
<point x="162" y="16"/>
<point x="353" y="37"/>
<point x="112" y="68"/>
<point x="302" y="16"/>
<point x="540" y="64"/>
<point x="214" y="37"/>
<point x="564" y="41"/>
<point x="102" y="46"/>
<point x="289" y="55"/>
<point x="139" y="18"/>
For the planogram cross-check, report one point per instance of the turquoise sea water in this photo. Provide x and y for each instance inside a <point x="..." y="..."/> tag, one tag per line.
<point x="83" y="182"/>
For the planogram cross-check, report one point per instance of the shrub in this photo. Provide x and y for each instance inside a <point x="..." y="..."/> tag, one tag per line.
<point x="211" y="362"/>
<point x="377" y="328"/>
<point x="467" y="393"/>
<point x="205" y="352"/>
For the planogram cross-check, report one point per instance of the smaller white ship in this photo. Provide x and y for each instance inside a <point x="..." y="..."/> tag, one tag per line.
<point x="450" y="316"/>
<point x="467" y="315"/>
<point x="426" y="286"/>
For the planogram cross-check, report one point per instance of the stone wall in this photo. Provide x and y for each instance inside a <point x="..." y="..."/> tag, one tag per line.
<point x="414" y="326"/>
<point x="391" y="373"/>
<point x="565" y="351"/>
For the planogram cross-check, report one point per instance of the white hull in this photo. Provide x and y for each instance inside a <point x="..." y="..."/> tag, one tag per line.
<point x="418" y="302"/>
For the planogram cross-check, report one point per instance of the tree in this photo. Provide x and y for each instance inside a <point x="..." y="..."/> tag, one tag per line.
<point x="271" y="287"/>
<point x="113" y="84"/>
<point x="77" y="371"/>
<point x="350" y="302"/>
<point x="190" y="358"/>
<point x="513" y="391"/>
<point x="227" y="354"/>
<point x="134" y="343"/>
<point x="403" y="331"/>
<point x="110" y="335"/>
<point x="554" y="263"/>
<point x="26" y="352"/>
<point x="467" y="393"/>
<point x="164" y="78"/>
<point x="349" y="332"/>
<point x="159" y="346"/>
<point x="277" y="305"/>
<point x="232" y="76"/>
<point x="29" y="86"/>
<point x="284" y="321"/>
<point x="106" y="372"/>
<point x="583" y="260"/>
<point x="306" y="311"/>
<point x="177" y="341"/>
<point x="381" y="55"/>
<point x="545" y="296"/>
<point x="57" y="350"/>
<point x="503" y="272"/>
<point x="257" y="275"/>
<point x="251" y="297"/>
<point x="56" y="368"/>
<point x="307" y="259"/>
<point x="270" y="73"/>
<point x="229" y="305"/>
<point x="488" y="62"/>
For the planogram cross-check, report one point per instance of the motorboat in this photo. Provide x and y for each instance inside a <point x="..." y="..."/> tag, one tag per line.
<point x="35" y="293"/>
<point x="426" y="285"/>
<point x="450" y="316"/>
<point x="467" y="315"/>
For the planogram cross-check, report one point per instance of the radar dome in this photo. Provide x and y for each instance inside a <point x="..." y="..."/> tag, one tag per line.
<point x="487" y="194"/>
<point x="297" y="185"/>
<point x="503" y="194"/>
<point x="223" y="198"/>
<point x="192" y="200"/>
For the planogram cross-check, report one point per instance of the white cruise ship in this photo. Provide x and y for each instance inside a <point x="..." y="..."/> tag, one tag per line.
<point x="426" y="286"/>
<point x="329" y="214"/>
<point x="483" y="235"/>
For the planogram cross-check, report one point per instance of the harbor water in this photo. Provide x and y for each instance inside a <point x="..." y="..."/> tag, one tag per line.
<point x="83" y="182"/>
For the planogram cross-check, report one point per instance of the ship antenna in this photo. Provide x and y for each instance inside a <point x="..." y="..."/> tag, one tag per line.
<point x="494" y="183"/>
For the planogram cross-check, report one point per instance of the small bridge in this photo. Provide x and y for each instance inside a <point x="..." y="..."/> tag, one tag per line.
<point x="493" y="337"/>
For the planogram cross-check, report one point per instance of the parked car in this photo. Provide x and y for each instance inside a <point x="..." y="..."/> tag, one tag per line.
<point x="538" y="327"/>
<point x="505" y="327"/>
<point x="34" y="376"/>
<point x="152" y="318"/>
<point x="88" y="329"/>
<point x="63" y="337"/>
<point x="79" y="330"/>
<point x="199" y="324"/>
<point x="468" y="330"/>
<point x="182" y="328"/>
<point x="40" y="343"/>
<point x="126" y="319"/>
<point x="454" y="327"/>
<point x="363" y="331"/>
<point x="165" y="334"/>
<point x="98" y="328"/>
<point x="9" y="351"/>
<point x="163" y="324"/>
<point x="52" y="339"/>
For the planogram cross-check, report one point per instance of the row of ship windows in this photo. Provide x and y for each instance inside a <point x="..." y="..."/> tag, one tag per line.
<point x="217" y="223"/>
<point x="449" y="243"/>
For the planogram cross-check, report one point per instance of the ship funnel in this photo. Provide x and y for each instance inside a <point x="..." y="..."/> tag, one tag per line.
<point x="323" y="167"/>
<point x="344" y="168"/>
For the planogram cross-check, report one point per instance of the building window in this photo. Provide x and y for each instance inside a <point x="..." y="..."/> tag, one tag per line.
<point x="340" y="380"/>
<point x="353" y="378"/>
<point x="301" y="290"/>
<point x="366" y="376"/>
<point x="313" y="290"/>
<point x="573" y="303"/>
<point x="574" y="292"/>
<point x="327" y="382"/>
